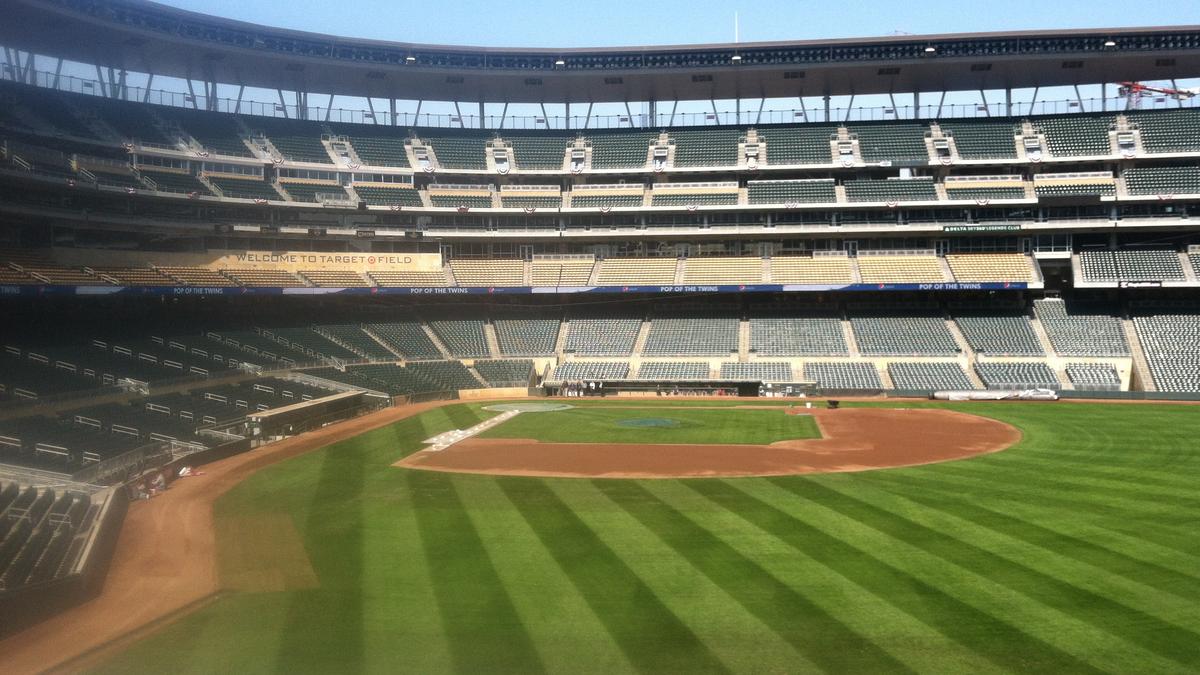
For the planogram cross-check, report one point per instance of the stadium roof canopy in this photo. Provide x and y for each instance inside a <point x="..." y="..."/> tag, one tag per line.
<point x="142" y="36"/>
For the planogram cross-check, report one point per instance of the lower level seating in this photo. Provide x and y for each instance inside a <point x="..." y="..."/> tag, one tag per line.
<point x="673" y="370"/>
<point x="928" y="376"/>
<point x="761" y="371"/>
<point x="572" y="371"/>
<point x="843" y="375"/>
<point x="1017" y="375"/>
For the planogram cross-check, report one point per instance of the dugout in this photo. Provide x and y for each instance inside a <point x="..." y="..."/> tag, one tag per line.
<point x="742" y="388"/>
<point x="305" y="415"/>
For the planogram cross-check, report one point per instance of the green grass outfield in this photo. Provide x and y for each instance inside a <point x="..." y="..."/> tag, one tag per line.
<point x="1076" y="551"/>
<point x="690" y="425"/>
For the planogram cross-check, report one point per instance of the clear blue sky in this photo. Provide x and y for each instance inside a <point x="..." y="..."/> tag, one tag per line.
<point x="592" y="23"/>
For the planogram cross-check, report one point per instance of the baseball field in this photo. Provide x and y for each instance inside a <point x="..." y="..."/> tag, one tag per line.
<point x="1073" y="550"/>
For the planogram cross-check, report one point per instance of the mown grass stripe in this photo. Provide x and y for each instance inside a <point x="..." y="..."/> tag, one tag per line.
<point x="652" y="637"/>
<point x="556" y="616"/>
<point x="303" y="648"/>
<point x="482" y="626"/>
<point x="1145" y="523"/>
<point x="792" y="616"/>
<point x="988" y="636"/>
<point x="1112" y="560"/>
<point x="1161" y="637"/>
<point x="1128" y="474"/>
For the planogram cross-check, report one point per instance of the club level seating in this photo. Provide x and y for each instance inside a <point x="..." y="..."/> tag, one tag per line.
<point x="334" y="278"/>
<point x="378" y="195"/>
<point x="590" y="370"/>
<point x="602" y="337"/>
<point x="310" y="192"/>
<point x="797" y="336"/>
<point x="803" y="144"/>
<point x="1099" y="376"/>
<point x="991" y="267"/>
<point x="406" y="338"/>
<point x="891" y="141"/>
<point x="928" y="376"/>
<point x="1076" y="135"/>
<point x="978" y="194"/>
<point x="1194" y="258"/>
<point x="458" y="152"/>
<point x="1171" y="343"/>
<point x="1168" y="130"/>
<point x="1149" y="264"/>
<point x="900" y="269"/>
<point x="446" y="375"/>
<point x="296" y="140"/>
<point x="62" y="276"/>
<point x="464" y="338"/>
<point x="673" y="370"/>
<point x="217" y="132"/>
<point x="824" y="269"/>
<point x="761" y="371"/>
<point x="586" y="201"/>
<point x="1076" y="333"/>
<point x="530" y="202"/>
<point x="505" y="373"/>
<point x="637" y="271"/>
<point x="843" y="375"/>
<point x="538" y="151"/>
<point x="620" y="148"/>
<point x="1070" y="189"/>
<point x="114" y="177"/>
<point x="706" y="147"/>
<point x="488" y="272"/>
<point x="245" y="188"/>
<point x="353" y="338"/>
<point x="891" y="190"/>
<point x="526" y="337"/>
<point x="1096" y="265"/>
<point x="903" y="335"/>
<point x="820" y="191"/>
<point x="995" y="334"/>
<point x="692" y="336"/>
<point x="1017" y="375"/>
<point x="309" y="342"/>
<point x="59" y="445"/>
<point x="445" y="201"/>
<point x="170" y="181"/>
<point x="134" y="276"/>
<point x="196" y="276"/>
<point x="693" y="199"/>
<point x="393" y="379"/>
<point x="562" y="272"/>
<point x="408" y="279"/>
<point x="1162" y="180"/>
<point x="263" y="278"/>
<point x="728" y="271"/>
<point x="980" y="139"/>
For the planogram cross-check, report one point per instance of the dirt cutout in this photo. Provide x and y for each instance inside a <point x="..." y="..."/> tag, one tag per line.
<point x="853" y="439"/>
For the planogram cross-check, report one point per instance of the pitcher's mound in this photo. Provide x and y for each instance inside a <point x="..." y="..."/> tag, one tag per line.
<point x="853" y="439"/>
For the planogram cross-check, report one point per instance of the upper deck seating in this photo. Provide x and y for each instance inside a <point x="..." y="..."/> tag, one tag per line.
<point x="797" y="144"/>
<point x="982" y="139"/>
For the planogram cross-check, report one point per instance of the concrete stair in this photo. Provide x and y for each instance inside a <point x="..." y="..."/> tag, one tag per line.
<point x="493" y="343"/>
<point x="851" y="342"/>
<point x="383" y="344"/>
<point x="1043" y="338"/>
<point x="643" y="334"/>
<point x="437" y="342"/>
<point x="560" y="341"/>
<point x="743" y="341"/>
<point x="1141" y="367"/>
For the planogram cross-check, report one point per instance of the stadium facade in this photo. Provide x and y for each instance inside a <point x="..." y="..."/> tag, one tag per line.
<point x="214" y="255"/>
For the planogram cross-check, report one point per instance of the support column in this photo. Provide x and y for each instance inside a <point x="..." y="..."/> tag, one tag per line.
<point x="58" y="73"/>
<point x="482" y="123"/>
<point x="1008" y="101"/>
<point x="827" y="110"/>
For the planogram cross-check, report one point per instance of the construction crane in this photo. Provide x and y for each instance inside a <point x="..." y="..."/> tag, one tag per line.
<point x="1134" y="92"/>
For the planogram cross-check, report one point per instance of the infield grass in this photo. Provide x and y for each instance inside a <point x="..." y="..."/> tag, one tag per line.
<point x="601" y="423"/>
<point x="1074" y="552"/>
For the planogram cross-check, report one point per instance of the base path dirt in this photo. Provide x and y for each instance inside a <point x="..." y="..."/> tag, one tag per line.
<point x="853" y="439"/>
<point x="165" y="561"/>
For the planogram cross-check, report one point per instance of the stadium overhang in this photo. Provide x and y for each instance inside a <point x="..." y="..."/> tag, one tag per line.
<point x="146" y="37"/>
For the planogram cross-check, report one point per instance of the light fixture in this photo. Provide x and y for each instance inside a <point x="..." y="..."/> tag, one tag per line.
<point x="1110" y="43"/>
<point x="410" y="59"/>
<point x="736" y="58"/>
<point x="930" y="49"/>
<point x="560" y="63"/>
